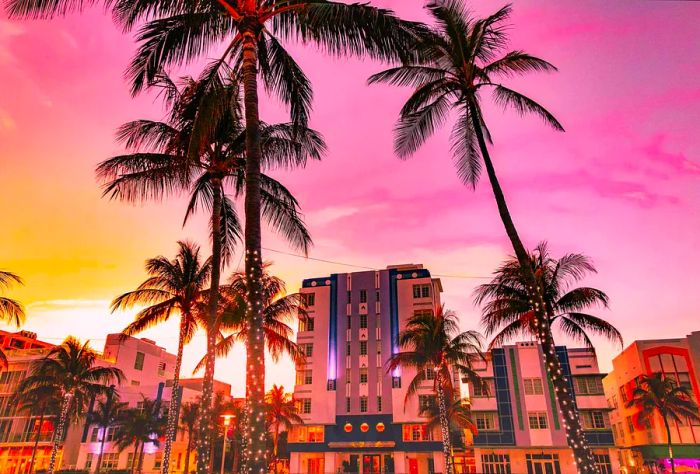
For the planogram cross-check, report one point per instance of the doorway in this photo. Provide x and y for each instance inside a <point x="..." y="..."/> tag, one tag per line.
<point x="371" y="464"/>
<point x="543" y="463"/>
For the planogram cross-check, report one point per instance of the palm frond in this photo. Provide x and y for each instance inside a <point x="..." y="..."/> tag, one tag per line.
<point x="524" y="105"/>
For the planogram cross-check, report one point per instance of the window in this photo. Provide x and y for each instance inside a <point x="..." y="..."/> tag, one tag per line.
<point x="426" y="403"/>
<point x="421" y="291"/>
<point x="349" y="322"/>
<point x="533" y="386"/>
<point x="486" y="420"/>
<point x="538" y="420"/>
<point x="94" y="437"/>
<point x="395" y="382"/>
<point x="363" y="296"/>
<point x="602" y="462"/>
<point x="348" y="348"/>
<point x="623" y="394"/>
<point x="315" y="434"/>
<point x="304" y="405"/>
<point x="594" y="419"/>
<point x="487" y="388"/>
<point x="88" y="461"/>
<point x="129" y="461"/>
<point x="138" y="364"/>
<point x="495" y="463"/>
<point x="135" y="383"/>
<point x="363" y="321"/>
<point x="588" y="385"/>
<point x="363" y="404"/>
<point x="306" y="323"/>
<point x="429" y="374"/>
<point x="416" y="432"/>
<point x="161" y="368"/>
<point x="304" y="377"/>
<point x="347" y="404"/>
<point x="363" y="374"/>
<point x="111" y="433"/>
<point x="347" y="375"/>
<point x="363" y="348"/>
<point x="379" y="403"/>
<point x="158" y="461"/>
<point x="349" y="297"/>
<point x="630" y="424"/>
<point x="110" y="461"/>
<point x="308" y="349"/>
<point x="310" y="299"/>
<point x="376" y="296"/>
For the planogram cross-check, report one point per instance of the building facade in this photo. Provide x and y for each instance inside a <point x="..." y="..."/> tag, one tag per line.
<point x="642" y="446"/>
<point x="520" y="429"/>
<point x="354" y="411"/>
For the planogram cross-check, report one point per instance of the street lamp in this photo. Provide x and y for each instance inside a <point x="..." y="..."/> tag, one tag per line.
<point x="227" y="421"/>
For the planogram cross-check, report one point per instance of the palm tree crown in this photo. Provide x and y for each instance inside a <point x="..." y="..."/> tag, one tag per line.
<point x="281" y="414"/>
<point x="11" y="311"/>
<point x="508" y="310"/>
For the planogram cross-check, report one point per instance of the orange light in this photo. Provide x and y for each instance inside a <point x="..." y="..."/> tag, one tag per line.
<point x="364" y="427"/>
<point x="347" y="427"/>
<point x="380" y="426"/>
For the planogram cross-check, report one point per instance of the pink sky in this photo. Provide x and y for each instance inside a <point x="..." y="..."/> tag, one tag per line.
<point x="621" y="185"/>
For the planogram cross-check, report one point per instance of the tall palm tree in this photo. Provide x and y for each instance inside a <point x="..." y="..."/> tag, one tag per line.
<point x="281" y="415"/>
<point x="174" y="286"/>
<point x="507" y="310"/>
<point x="188" y="423"/>
<point x="191" y="150"/>
<point x="658" y="394"/>
<point x="105" y="416"/>
<point x="71" y="369"/>
<point x="279" y="309"/>
<point x="433" y="341"/>
<point x="138" y="427"/>
<point x="42" y="401"/>
<point x="456" y="63"/>
<point x="11" y="311"/>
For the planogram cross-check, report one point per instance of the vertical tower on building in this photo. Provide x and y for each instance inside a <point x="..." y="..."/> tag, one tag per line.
<point x="353" y="409"/>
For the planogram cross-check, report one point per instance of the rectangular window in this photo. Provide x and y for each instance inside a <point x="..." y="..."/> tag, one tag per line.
<point x="602" y="462"/>
<point x="416" y="291"/>
<point x="623" y="394"/>
<point x="363" y="374"/>
<point x="425" y="291"/>
<point x="538" y="420"/>
<point x="304" y="377"/>
<point x="315" y="434"/>
<point x="129" y="461"/>
<point x="589" y="385"/>
<point x="308" y="349"/>
<point x="486" y="420"/>
<point x="306" y="323"/>
<point x="347" y="375"/>
<point x="487" y="388"/>
<point x="94" y="436"/>
<point x="110" y="461"/>
<point x="426" y="403"/>
<point x="349" y="322"/>
<point x="88" y="461"/>
<point x="347" y="404"/>
<point x="111" y="433"/>
<point x="416" y="432"/>
<point x="305" y="405"/>
<point x="158" y="461"/>
<point x="135" y="383"/>
<point x="379" y="403"/>
<point x="533" y="386"/>
<point x="310" y="299"/>
<point x="363" y="321"/>
<point x="594" y="419"/>
<point x="363" y="296"/>
<point x="630" y="424"/>
<point x="161" y="368"/>
<point x="348" y="348"/>
<point x="422" y="312"/>
<point x="138" y="364"/>
<point x="495" y="463"/>
<point x="429" y="374"/>
<point x="376" y="296"/>
<point x="363" y="348"/>
<point x="363" y="404"/>
<point x="349" y="297"/>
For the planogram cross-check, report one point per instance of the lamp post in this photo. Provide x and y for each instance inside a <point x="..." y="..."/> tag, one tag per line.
<point x="227" y="422"/>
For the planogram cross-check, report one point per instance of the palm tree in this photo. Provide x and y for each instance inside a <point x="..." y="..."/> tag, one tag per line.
<point x="105" y="416"/>
<point x="41" y="400"/>
<point x="173" y="286"/>
<point x="458" y="413"/>
<point x="658" y="394"/>
<point x="281" y="415"/>
<point x="507" y="310"/>
<point x="433" y="342"/>
<point x="278" y="311"/>
<point x="139" y="426"/>
<point x="71" y="369"/>
<point x="188" y="423"/>
<point x="11" y="311"/>
<point x="186" y="151"/>
<point x="456" y="62"/>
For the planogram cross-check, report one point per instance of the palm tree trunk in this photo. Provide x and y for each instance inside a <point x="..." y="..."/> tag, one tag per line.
<point x="205" y="423"/>
<point x="139" y="468"/>
<point x="275" y="444"/>
<point x="670" y="444"/>
<point x="188" y="453"/>
<point x="173" y="411"/>
<point x="102" y="449"/>
<point x="255" y="455"/>
<point x="58" y="435"/>
<point x="134" y="460"/>
<point x="444" y="428"/>
<point x="575" y="437"/>
<point x="36" y="442"/>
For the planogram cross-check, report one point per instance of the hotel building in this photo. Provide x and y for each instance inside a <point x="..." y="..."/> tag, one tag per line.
<point x="642" y="446"/>
<point x="354" y="414"/>
<point x="519" y="426"/>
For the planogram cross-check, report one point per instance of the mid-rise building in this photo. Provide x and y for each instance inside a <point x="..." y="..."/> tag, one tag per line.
<point x="353" y="409"/>
<point x="520" y="429"/>
<point x="642" y="446"/>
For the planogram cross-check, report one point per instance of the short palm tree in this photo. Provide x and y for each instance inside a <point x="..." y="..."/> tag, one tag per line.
<point x="201" y="148"/>
<point x="11" y="311"/>
<point x="42" y="400"/>
<point x="138" y="427"/>
<point x="432" y="341"/>
<point x="456" y="63"/>
<point x="71" y="369"/>
<point x="279" y="309"/>
<point x="105" y="416"/>
<point x="658" y="394"/>
<point x="281" y="415"/>
<point x="507" y="311"/>
<point x="173" y="287"/>
<point x="458" y="413"/>
<point x="189" y="416"/>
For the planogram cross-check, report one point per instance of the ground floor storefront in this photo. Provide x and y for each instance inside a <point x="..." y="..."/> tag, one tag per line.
<point x="538" y="461"/>
<point x="654" y="459"/>
<point x="16" y="459"/>
<point x="371" y="462"/>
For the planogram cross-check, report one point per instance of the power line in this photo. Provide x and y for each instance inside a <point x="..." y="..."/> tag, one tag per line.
<point x="363" y="267"/>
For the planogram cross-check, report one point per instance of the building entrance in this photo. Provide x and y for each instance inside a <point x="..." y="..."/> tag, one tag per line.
<point x="543" y="464"/>
<point x="371" y="464"/>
